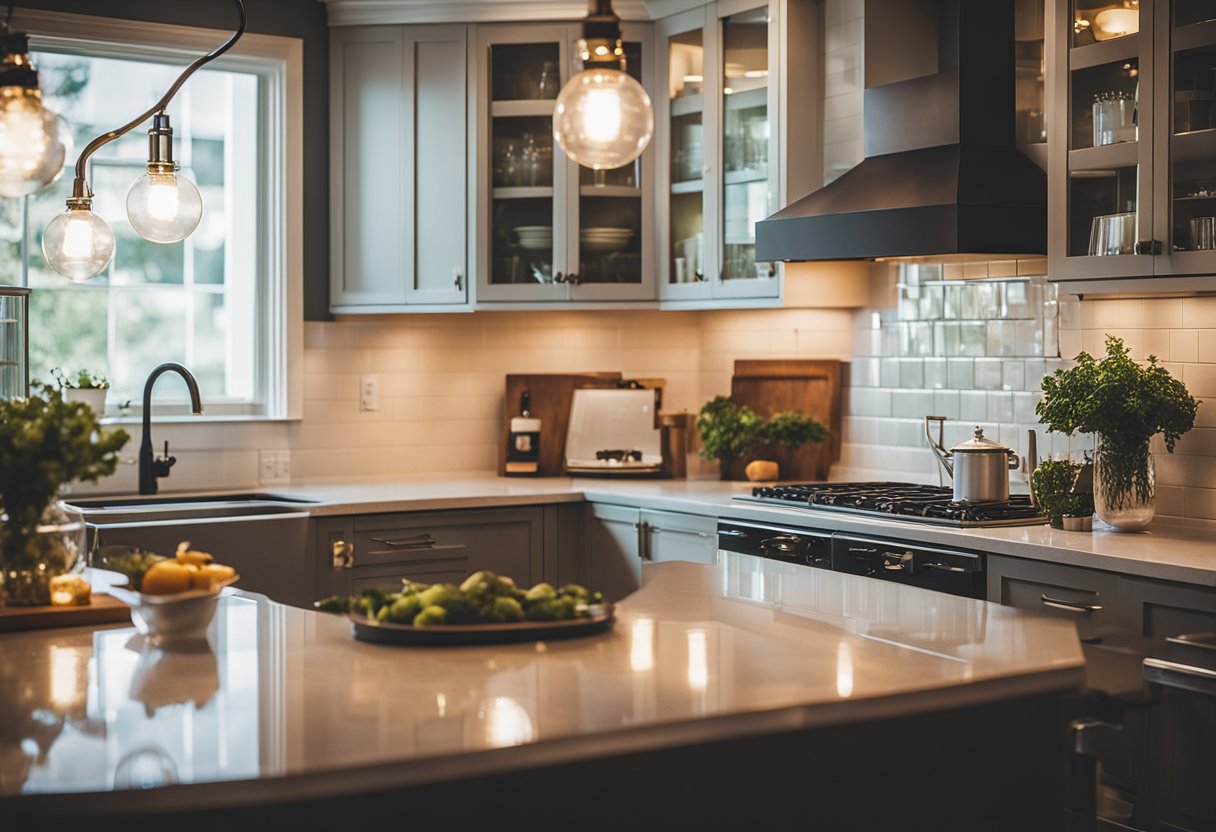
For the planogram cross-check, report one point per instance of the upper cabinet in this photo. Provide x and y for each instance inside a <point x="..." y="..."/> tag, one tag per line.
<point x="720" y="128"/>
<point x="548" y="229"/>
<point x="398" y="168"/>
<point x="1133" y="163"/>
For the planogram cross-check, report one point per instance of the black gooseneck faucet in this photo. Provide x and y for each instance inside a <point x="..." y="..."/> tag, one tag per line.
<point x="151" y="468"/>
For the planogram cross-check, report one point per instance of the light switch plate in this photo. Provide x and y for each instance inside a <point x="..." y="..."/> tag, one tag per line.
<point x="274" y="467"/>
<point x="369" y="392"/>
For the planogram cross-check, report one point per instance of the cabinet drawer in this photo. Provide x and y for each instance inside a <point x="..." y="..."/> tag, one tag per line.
<point x="507" y="541"/>
<point x="675" y="536"/>
<point x="1086" y="596"/>
<point x="1160" y="609"/>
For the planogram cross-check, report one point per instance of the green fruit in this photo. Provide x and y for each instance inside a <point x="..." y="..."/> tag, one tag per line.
<point x="431" y="617"/>
<point x="576" y="590"/>
<point x="541" y="592"/>
<point x="505" y="610"/>
<point x="551" y="609"/>
<point x="403" y="610"/>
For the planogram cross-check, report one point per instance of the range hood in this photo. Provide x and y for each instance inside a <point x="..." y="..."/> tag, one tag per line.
<point x="942" y="174"/>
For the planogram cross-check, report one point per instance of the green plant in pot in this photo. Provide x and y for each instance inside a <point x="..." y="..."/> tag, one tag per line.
<point x="731" y="432"/>
<point x="1124" y="405"/>
<point x="1053" y="482"/>
<point x="46" y="444"/>
<point x="87" y="386"/>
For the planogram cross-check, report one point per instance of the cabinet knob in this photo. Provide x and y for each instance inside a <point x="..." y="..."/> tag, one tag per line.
<point x="343" y="554"/>
<point x="1148" y="247"/>
<point x="458" y="278"/>
<point x="572" y="279"/>
<point x="560" y="277"/>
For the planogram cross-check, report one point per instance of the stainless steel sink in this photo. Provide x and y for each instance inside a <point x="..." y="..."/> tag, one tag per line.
<point x="110" y="510"/>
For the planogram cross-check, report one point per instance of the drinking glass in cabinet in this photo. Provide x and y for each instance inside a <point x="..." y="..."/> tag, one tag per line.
<point x="1114" y="116"/>
<point x="685" y="64"/>
<point x="524" y="71"/>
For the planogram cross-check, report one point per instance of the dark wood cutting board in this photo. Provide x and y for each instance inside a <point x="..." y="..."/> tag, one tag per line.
<point x="808" y="386"/>
<point x="551" y="397"/>
<point x="102" y="609"/>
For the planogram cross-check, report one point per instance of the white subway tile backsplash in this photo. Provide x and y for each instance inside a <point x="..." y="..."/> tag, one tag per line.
<point x="1000" y="406"/>
<point x="935" y="373"/>
<point x="973" y="405"/>
<point x="1013" y="375"/>
<point x="911" y="373"/>
<point x="911" y="404"/>
<point x="989" y="373"/>
<point x="960" y="373"/>
<point x="1184" y="346"/>
<point x="946" y="403"/>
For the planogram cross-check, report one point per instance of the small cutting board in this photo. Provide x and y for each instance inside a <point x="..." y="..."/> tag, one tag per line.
<point x="103" y="609"/>
<point x="802" y="385"/>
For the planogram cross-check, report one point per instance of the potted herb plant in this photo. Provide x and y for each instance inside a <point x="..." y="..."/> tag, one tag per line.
<point x="87" y="386"/>
<point x="731" y="432"/>
<point x="1054" y="482"/>
<point x="46" y="444"/>
<point x="1124" y="405"/>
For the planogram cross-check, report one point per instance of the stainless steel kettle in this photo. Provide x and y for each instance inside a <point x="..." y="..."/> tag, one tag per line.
<point x="978" y="467"/>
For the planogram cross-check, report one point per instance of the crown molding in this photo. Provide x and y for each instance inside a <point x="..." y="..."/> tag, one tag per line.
<point x="364" y="12"/>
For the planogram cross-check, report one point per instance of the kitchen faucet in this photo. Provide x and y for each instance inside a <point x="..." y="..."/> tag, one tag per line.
<point x="151" y="468"/>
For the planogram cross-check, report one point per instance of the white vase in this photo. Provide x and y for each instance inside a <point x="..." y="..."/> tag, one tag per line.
<point x="94" y="397"/>
<point x="1125" y="486"/>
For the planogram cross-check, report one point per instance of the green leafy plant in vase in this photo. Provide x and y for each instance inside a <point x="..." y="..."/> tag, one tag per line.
<point x="731" y="432"/>
<point x="46" y="444"/>
<point x="1053" y="482"/>
<point x="1124" y="405"/>
<point x="87" y="386"/>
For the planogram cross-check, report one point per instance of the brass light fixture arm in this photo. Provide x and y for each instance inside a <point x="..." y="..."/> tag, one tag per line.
<point x="80" y="189"/>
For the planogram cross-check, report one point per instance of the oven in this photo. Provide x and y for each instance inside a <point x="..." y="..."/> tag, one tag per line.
<point x="952" y="571"/>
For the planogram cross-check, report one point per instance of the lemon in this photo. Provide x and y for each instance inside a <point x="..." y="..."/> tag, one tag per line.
<point x="187" y="555"/>
<point x="168" y="577"/>
<point x="210" y="575"/>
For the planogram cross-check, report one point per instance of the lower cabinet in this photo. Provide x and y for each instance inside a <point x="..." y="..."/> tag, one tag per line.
<point x="379" y="550"/>
<point x="621" y="539"/>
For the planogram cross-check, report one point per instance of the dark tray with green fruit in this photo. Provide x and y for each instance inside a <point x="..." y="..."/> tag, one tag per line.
<point x="485" y="609"/>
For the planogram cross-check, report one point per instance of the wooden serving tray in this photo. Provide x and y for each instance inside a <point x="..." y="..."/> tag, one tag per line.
<point x="103" y="609"/>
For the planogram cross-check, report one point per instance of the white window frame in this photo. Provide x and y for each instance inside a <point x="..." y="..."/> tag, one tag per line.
<point x="280" y="62"/>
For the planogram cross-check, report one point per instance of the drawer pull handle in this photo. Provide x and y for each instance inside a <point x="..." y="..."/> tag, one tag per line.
<point x="343" y="554"/>
<point x="944" y="567"/>
<point x="426" y="540"/>
<point x="731" y="533"/>
<point x="1069" y="606"/>
<point x="1181" y="676"/>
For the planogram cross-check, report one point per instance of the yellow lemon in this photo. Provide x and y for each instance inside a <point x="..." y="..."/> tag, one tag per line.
<point x="168" y="577"/>
<point x="187" y="555"/>
<point x="210" y="575"/>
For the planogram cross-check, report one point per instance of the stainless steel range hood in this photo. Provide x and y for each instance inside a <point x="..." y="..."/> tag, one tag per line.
<point x="942" y="174"/>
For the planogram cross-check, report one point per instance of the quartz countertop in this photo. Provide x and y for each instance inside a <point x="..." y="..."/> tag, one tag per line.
<point x="1167" y="551"/>
<point x="286" y="699"/>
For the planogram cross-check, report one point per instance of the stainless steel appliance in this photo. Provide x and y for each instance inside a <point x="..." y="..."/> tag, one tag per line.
<point x="952" y="571"/>
<point x="979" y="468"/>
<point x="615" y="432"/>
<point x="914" y="503"/>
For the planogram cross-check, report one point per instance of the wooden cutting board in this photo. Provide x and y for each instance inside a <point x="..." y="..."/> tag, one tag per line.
<point x="551" y="397"/>
<point x="102" y="609"/>
<point x="808" y="386"/>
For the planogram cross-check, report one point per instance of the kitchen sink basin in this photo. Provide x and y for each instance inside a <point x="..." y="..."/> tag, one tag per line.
<point x="109" y="510"/>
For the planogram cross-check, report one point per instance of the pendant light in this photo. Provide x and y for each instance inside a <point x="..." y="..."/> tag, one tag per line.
<point x="31" y="144"/>
<point x="603" y="119"/>
<point x="162" y="205"/>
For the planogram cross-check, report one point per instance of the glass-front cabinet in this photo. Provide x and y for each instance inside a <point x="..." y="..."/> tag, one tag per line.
<point x="1133" y="175"/>
<point x="718" y="114"/>
<point x="549" y="229"/>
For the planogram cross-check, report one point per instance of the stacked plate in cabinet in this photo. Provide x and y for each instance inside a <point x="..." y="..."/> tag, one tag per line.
<point x="535" y="237"/>
<point x="605" y="238"/>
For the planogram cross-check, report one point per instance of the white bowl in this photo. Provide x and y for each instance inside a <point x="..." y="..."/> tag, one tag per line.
<point x="177" y="619"/>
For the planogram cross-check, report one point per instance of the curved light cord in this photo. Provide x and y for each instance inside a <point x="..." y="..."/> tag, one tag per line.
<point x="80" y="189"/>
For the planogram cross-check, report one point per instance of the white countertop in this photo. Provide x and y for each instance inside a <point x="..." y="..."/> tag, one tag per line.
<point x="1167" y="551"/>
<point x="744" y="647"/>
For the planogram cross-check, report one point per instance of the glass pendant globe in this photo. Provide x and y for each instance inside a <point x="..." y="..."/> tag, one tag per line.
<point x="164" y="207"/>
<point x="603" y="119"/>
<point x="32" y="144"/>
<point x="78" y="244"/>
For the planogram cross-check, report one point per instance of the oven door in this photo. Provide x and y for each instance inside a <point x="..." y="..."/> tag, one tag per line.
<point x="942" y="570"/>
<point x="802" y="546"/>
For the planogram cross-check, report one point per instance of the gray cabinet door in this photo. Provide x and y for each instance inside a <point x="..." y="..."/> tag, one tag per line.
<point x="439" y="274"/>
<point x="614" y="547"/>
<point x="1086" y="596"/>
<point x="432" y="547"/>
<point x="1160" y="609"/>
<point x="369" y="131"/>
<point x="676" y="536"/>
<point x="398" y="167"/>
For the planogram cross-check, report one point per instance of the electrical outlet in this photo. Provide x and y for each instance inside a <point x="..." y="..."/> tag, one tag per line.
<point x="369" y="392"/>
<point x="274" y="467"/>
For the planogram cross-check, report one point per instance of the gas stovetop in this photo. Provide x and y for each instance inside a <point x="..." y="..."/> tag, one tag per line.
<point x="899" y="501"/>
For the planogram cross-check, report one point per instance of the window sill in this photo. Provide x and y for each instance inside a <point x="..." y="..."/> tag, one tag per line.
<point x="204" y="419"/>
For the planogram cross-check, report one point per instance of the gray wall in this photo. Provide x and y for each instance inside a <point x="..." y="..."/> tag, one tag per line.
<point x="303" y="19"/>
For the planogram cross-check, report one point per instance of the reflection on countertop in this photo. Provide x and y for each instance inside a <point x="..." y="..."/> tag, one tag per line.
<point x="748" y="643"/>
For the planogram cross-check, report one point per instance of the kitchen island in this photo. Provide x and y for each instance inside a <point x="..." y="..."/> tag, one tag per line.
<point x="746" y="691"/>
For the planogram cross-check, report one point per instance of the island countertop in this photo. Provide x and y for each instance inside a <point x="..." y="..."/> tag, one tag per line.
<point x="286" y="702"/>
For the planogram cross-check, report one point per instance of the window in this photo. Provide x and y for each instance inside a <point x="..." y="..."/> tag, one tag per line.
<point x="215" y="302"/>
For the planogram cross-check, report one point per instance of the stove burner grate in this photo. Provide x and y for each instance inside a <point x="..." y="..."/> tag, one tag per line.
<point x="928" y="503"/>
